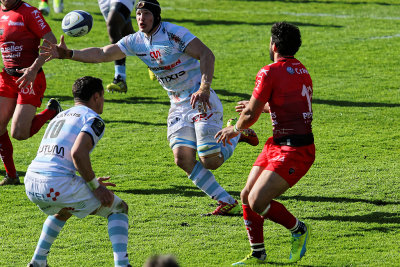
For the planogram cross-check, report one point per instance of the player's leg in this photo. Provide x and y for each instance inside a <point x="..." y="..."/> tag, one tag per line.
<point x="183" y="144"/>
<point x="58" y="6"/>
<point x="119" y="25"/>
<point x="25" y="121"/>
<point x="254" y="223"/>
<point x="51" y="228"/>
<point x="213" y="154"/>
<point x="44" y="7"/>
<point x="118" y="224"/>
<point x="7" y="106"/>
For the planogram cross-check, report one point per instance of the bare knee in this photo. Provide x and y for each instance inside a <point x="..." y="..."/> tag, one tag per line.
<point x="20" y="135"/>
<point x="212" y="163"/>
<point x="244" y="195"/>
<point x="256" y="204"/>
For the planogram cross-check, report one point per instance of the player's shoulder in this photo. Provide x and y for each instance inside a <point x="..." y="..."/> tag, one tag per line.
<point x="29" y="8"/>
<point x="168" y="27"/>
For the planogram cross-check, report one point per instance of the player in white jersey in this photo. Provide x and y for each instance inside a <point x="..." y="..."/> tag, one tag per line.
<point x="51" y="181"/>
<point x="117" y="14"/>
<point x="196" y="115"/>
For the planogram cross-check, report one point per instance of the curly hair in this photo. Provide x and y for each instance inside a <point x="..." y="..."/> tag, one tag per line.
<point x="85" y="87"/>
<point x="286" y="37"/>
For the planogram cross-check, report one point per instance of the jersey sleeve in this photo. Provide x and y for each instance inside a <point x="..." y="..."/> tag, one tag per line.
<point x="181" y="37"/>
<point x="127" y="44"/>
<point x="36" y="22"/>
<point x="263" y="88"/>
<point x="94" y="127"/>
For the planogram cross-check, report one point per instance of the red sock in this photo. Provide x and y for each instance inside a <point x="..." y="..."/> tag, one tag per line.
<point x="279" y="214"/>
<point x="45" y="1"/>
<point x="40" y="119"/>
<point x="6" y="154"/>
<point x="254" y="225"/>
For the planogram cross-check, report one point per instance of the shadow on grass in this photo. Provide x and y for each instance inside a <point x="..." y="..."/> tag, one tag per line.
<point x="323" y="2"/>
<point x="373" y="217"/>
<point x="20" y="174"/>
<point x="125" y="100"/>
<point x="339" y="200"/>
<point x="205" y="22"/>
<point x="344" y="103"/>
<point x="187" y="191"/>
<point x="136" y="122"/>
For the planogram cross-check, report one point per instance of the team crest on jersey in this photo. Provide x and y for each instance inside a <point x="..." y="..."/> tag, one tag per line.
<point x="290" y="70"/>
<point x="1" y="31"/>
<point x="98" y="126"/>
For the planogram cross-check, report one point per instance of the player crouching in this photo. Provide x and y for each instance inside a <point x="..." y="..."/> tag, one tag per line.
<point x="51" y="181"/>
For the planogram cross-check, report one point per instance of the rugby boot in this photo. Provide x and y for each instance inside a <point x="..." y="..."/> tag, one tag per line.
<point x="53" y="104"/>
<point x="299" y="244"/>
<point x="152" y="76"/>
<point x="118" y="85"/>
<point x="10" y="181"/>
<point x="44" y="8"/>
<point x="226" y="209"/>
<point x="251" y="260"/>
<point x="58" y="6"/>
<point x="247" y="135"/>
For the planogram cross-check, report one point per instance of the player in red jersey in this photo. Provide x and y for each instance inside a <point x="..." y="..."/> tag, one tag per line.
<point x="22" y="81"/>
<point x="284" y="89"/>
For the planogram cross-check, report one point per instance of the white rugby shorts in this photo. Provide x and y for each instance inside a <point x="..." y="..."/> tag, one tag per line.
<point x="106" y="4"/>
<point x="51" y="194"/>
<point x="191" y="128"/>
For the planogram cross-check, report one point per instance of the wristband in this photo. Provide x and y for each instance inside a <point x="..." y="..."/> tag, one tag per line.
<point x="93" y="184"/>
<point x="236" y="130"/>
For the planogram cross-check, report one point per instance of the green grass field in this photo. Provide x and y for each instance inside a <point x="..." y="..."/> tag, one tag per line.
<point x="351" y="196"/>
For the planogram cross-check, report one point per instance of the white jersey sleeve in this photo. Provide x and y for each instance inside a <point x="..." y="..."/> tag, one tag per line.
<point x="54" y="154"/>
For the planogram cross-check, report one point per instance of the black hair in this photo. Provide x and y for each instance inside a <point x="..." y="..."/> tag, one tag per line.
<point x="85" y="87"/>
<point x="286" y="37"/>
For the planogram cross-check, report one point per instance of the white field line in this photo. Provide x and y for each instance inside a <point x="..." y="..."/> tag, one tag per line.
<point x="342" y="16"/>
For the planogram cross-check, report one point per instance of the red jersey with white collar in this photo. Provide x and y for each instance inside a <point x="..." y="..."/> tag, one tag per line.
<point x="287" y="86"/>
<point x="21" y="30"/>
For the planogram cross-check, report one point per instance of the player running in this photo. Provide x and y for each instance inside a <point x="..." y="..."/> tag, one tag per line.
<point x="58" y="6"/>
<point x="284" y="89"/>
<point x="51" y="181"/>
<point x="117" y="14"/>
<point x="196" y="114"/>
<point x="22" y="81"/>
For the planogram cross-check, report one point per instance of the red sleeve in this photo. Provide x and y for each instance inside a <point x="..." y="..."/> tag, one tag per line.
<point x="263" y="89"/>
<point x="36" y="23"/>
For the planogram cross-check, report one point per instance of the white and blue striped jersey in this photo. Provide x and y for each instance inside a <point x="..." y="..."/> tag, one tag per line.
<point x="163" y="53"/>
<point x="54" y="154"/>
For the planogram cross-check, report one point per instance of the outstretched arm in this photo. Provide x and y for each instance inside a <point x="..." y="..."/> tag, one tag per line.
<point x="87" y="55"/>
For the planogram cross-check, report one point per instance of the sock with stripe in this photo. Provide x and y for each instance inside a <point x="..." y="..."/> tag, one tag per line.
<point x="51" y="229"/>
<point x="40" y="119"/>
<point x="6" y="155"/>
<point x="205" y="180"/>
<point x="254" y="225"/>
<point x="279" y="214"/>
<point x="118" y="233"/>
<point x="228" y="149"/>
<point x="299" y="228"/>
<point x="120" y="70"/>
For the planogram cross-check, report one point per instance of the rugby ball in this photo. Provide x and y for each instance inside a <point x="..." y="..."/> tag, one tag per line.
<point x="77" y="23"/>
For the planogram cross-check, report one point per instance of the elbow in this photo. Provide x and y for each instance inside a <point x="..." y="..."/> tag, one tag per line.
<point x="75" y="155"/>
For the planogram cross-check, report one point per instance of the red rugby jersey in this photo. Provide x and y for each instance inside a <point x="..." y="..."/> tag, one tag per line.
<point x="287" y="86"/>
<point x="21" y="30"/>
